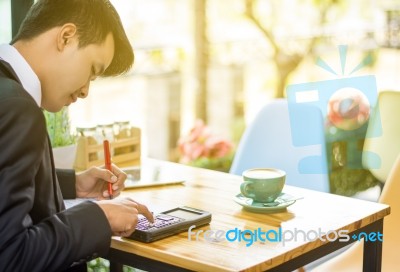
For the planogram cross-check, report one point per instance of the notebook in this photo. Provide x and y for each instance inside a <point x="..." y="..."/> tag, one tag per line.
<point x="148" y="175"/>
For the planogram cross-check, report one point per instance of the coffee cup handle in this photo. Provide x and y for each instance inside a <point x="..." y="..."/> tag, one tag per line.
<point x="243" y="189"/>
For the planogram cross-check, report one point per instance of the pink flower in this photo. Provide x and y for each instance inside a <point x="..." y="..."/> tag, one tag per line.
<point x="218" y="147"/>
<point x="199" y="132"/>
<point x="201" y="143"/>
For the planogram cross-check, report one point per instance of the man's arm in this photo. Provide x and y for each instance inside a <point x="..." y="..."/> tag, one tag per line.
<point x="66" y="179"/>
<point x="52" y="243"/>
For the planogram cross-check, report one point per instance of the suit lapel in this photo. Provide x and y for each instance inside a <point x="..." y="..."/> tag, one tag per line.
<point x="8" y="71"/>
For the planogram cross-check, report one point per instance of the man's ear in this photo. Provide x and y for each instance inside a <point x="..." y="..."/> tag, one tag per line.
<point x="66" y="35"/>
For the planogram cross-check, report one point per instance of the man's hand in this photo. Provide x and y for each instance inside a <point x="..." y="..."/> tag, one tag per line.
<point x="123" y="214"/>
<point x="93" y="182"/>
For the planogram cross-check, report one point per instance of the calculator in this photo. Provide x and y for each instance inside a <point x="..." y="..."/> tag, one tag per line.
<point x="168" y="223"/>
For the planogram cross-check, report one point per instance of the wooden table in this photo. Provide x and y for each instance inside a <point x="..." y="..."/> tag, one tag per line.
<point x="214" y="192"/>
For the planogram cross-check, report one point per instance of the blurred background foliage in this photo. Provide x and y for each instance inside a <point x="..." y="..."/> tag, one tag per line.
<point x="221" y="60"/>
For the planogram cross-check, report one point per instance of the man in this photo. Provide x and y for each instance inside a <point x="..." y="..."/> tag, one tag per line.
<point x="62" y="45"/>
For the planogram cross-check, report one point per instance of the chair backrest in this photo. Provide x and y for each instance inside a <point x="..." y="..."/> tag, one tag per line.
<point x="390" y="195"/>
<point x="268" y="142"/>
<point x="351" y="259"/>
<point x="382" y="142"/>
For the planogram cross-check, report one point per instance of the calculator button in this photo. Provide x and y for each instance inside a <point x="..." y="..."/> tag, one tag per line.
<point x="161" y="221"/>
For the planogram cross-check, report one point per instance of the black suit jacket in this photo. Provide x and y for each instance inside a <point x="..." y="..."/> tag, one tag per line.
<point x="36" y="232"/>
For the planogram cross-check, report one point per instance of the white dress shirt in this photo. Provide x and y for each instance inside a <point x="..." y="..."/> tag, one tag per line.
<point x="26" y="75"/>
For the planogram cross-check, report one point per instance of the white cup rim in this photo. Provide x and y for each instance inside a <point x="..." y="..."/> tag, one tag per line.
<point x="281" y="172"/>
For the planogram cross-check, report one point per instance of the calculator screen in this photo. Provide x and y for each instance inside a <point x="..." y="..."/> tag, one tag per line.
<point x="183" y="214"/>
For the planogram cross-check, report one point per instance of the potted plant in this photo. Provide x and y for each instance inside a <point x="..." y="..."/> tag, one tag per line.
<point x="62" y="140"/>
<point x="345" y="129"/>
<point x="202" y="148"/>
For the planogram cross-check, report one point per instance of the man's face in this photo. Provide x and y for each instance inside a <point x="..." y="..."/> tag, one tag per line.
<point x="72" y="70"/>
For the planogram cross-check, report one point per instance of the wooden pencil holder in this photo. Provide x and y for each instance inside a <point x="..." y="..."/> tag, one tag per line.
<point x="125" y="150"/>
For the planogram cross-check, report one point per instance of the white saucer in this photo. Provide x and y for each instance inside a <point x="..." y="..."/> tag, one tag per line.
<point x="254" y="206"/>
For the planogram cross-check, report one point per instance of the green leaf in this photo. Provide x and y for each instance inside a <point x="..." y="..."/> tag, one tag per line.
<point x="59" y="129"/>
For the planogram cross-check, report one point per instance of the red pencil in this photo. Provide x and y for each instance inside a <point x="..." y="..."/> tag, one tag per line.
<point x="107" y="159"/>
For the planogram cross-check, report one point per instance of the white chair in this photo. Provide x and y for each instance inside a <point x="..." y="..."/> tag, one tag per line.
<point x="382" y="141"/>
<point x="268" y="142"/>
<point x="381" y="146"/>
<point x="351" y="260"/>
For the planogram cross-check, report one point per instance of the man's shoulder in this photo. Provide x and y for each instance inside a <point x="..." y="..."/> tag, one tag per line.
<point x="10" y="85"/>
<point x="7" y="71"/>
<point x="11" y="88"/>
